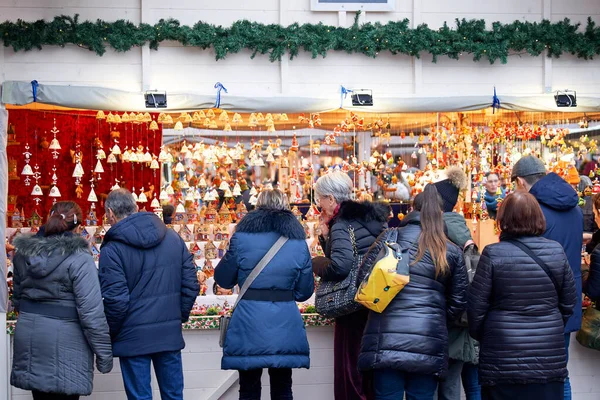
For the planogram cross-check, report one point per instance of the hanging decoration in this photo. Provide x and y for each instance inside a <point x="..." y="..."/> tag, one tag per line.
<point x="54" y="144"/>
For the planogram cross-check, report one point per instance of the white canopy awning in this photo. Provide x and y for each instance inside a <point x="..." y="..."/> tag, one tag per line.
<point x="97" y="98"/>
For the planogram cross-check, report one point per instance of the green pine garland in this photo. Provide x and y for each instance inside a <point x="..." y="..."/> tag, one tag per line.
<point x="468" y="37"/>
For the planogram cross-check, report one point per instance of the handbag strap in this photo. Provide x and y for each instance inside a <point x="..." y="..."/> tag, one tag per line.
<point x="538" y="260"/>
<point x="259" y="267"/>
<point x="353" y="239"/>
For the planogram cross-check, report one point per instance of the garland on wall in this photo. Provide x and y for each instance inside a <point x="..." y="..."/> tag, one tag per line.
<point x="468" y="37"/>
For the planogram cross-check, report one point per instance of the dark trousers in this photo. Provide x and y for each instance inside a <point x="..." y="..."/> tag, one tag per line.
<point x="391" y="384"/>
<point x="531" y="391"/>
<point x="280" y="380"/>
<point x="349" y="383"/>
<point x="169" y="374"/>
<point x="53" y="396"/>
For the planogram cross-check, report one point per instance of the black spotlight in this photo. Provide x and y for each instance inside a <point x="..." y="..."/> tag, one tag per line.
<point x="362" y="97"/>
<point x="566" y="98"/>
<point x="156" y="99"/>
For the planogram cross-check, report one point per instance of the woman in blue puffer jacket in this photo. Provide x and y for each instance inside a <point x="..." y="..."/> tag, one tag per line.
<point x="266" y="328"/>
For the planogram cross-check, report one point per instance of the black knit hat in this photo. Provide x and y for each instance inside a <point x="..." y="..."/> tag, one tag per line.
<point x="449" y="193"/>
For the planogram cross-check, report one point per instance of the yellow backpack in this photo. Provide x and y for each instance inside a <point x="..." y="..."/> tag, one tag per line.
<point x="387" y="278"/>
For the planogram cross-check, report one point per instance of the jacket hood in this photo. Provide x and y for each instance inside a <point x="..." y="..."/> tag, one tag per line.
<point x="44" y="254"/>
<point x="555" y="193"/>
<point x="265" y="220"/>
<point x="372" y="215"/>
<point x="412" y="218"/>
<point x="143" y="230"/>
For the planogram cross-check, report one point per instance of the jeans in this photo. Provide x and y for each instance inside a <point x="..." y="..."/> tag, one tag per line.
<point x="280" y="379"/>
<point x="450" y="388"/>
<point x="567" y="381"/>
<point x="470" y="381"/>
<point x="53" y="396"/>
<point x="391" y="384"/>
<point x="169" y="374"/>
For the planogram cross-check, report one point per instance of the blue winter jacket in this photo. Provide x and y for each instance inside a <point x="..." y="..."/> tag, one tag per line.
<point x="149" y="285"/>
<point x="267" y="334"/>
<point x="564" y="224"/>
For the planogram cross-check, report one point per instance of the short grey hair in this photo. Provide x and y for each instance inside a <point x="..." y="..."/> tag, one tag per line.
<point x="273" y="199"/>
<point x="121" y="202"/>
<point x="337" y="184"/>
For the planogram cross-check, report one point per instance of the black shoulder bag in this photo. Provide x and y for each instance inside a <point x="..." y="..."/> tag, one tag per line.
<point x="539" y="261"/>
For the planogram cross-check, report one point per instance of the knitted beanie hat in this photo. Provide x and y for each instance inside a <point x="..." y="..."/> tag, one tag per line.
<point x="450" y="187"/>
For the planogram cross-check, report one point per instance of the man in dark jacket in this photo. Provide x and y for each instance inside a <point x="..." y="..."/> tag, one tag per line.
<point x="564" y="224"/>
<point x="149" y="287"/>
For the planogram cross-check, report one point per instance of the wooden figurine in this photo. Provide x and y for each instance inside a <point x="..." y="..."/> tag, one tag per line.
<point x="211" y="213"/>
<point x="35" y="220"/>
<point x="99" y="236"/>
<point x="297" y="213"/>
<point x="196" y="251"/>
<point x="79" y="191"/>
<point x="210" y="251"/>
<point x="241" y="211"/>
<point x="16" y="219"/>
<point x="186" y="234"/>
<point x="222" y="232"/>
<point x="95" y="253"/>
<point x="208" y="269"/>
<point x="202" y="281"/>
<point x="222" y="249"/>
<point x="202" y="232"/>
<point x="91" y="219"/>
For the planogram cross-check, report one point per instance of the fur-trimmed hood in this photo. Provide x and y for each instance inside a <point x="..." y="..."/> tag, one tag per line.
<point x="265" y="220"/>
<point x="365" y="211"/>
<point x="45" y="254"/>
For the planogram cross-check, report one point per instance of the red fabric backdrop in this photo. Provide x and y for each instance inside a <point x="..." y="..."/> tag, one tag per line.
<point x="78" y="126"/>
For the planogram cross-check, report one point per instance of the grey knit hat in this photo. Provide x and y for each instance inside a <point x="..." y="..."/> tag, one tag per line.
<point x="528" y="165"/>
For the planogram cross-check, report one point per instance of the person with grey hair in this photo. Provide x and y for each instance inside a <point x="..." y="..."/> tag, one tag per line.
<point x="149" y="287"/>
<point x="266" y="329"/>
<point x="339" y="217"/>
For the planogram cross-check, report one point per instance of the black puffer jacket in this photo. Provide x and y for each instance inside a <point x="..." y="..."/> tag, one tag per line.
<point x="517" y="315"/>
<point x="592" y="287"/>
<point x="411" y="334"/>
<point x="367" y="219"/>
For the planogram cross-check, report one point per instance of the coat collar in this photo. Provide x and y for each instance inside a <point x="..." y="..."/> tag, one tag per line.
<point x="265" y="220"/>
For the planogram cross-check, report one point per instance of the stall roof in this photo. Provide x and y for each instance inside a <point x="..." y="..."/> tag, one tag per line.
<point x="98" y="98"/>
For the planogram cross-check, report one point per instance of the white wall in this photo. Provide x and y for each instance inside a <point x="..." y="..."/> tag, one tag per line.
<point x="175" y="68"/>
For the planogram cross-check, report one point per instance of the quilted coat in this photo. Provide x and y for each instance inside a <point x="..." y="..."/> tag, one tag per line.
<point x="367" y="219"/>
<point x="564" y="223"/>
<point x="410" y="335"/>
<point x="54" y="354"/>
<point x="149" y="285"/>
<point x="518" y="316"/>
<point x="592" y="288"/>
<point x="267" y="334"/>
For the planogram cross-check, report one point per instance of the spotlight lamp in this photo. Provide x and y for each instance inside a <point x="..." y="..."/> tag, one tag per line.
<point x="566" y="98"/>
<point x="362" y="97"/>
<point x="156" y="99"/>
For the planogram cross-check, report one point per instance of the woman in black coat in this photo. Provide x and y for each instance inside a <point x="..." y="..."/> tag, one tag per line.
<point x="516" y="310"/>
<point x="592" y="285"/>
<point x="368" y="220"/>
<point x="406" y="346"/>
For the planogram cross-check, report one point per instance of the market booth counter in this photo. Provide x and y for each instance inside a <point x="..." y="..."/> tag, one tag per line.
<point x="203" y="376"/>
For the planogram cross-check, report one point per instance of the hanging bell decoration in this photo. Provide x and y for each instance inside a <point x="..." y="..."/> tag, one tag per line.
<point x="237" y="190"/>
<point x="78" y="171"/>
<point x="142" y="197"/>
<point x="179" y="167"/>
<point x="178" y="126"/>
<point x="163" y="195"/>
<point x="189" y="196"/>
<point x="154" y="164"/>
<point x="27" y="170"/>
<point x="155" y="203"/>
<point x="170" y="190"/>
<point x="99" y="169"/>
<point x="228" y="193"/>
<point x="180" y="208"/>
<point x="153" y="126"/>
<point x="92" y="197"/>
<point x="54" y="192"/>
<point x="112" y="159"/>
<point x="100" y="115"/>
<point x="37" y="191"/>
<point x="116" y="150"/>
